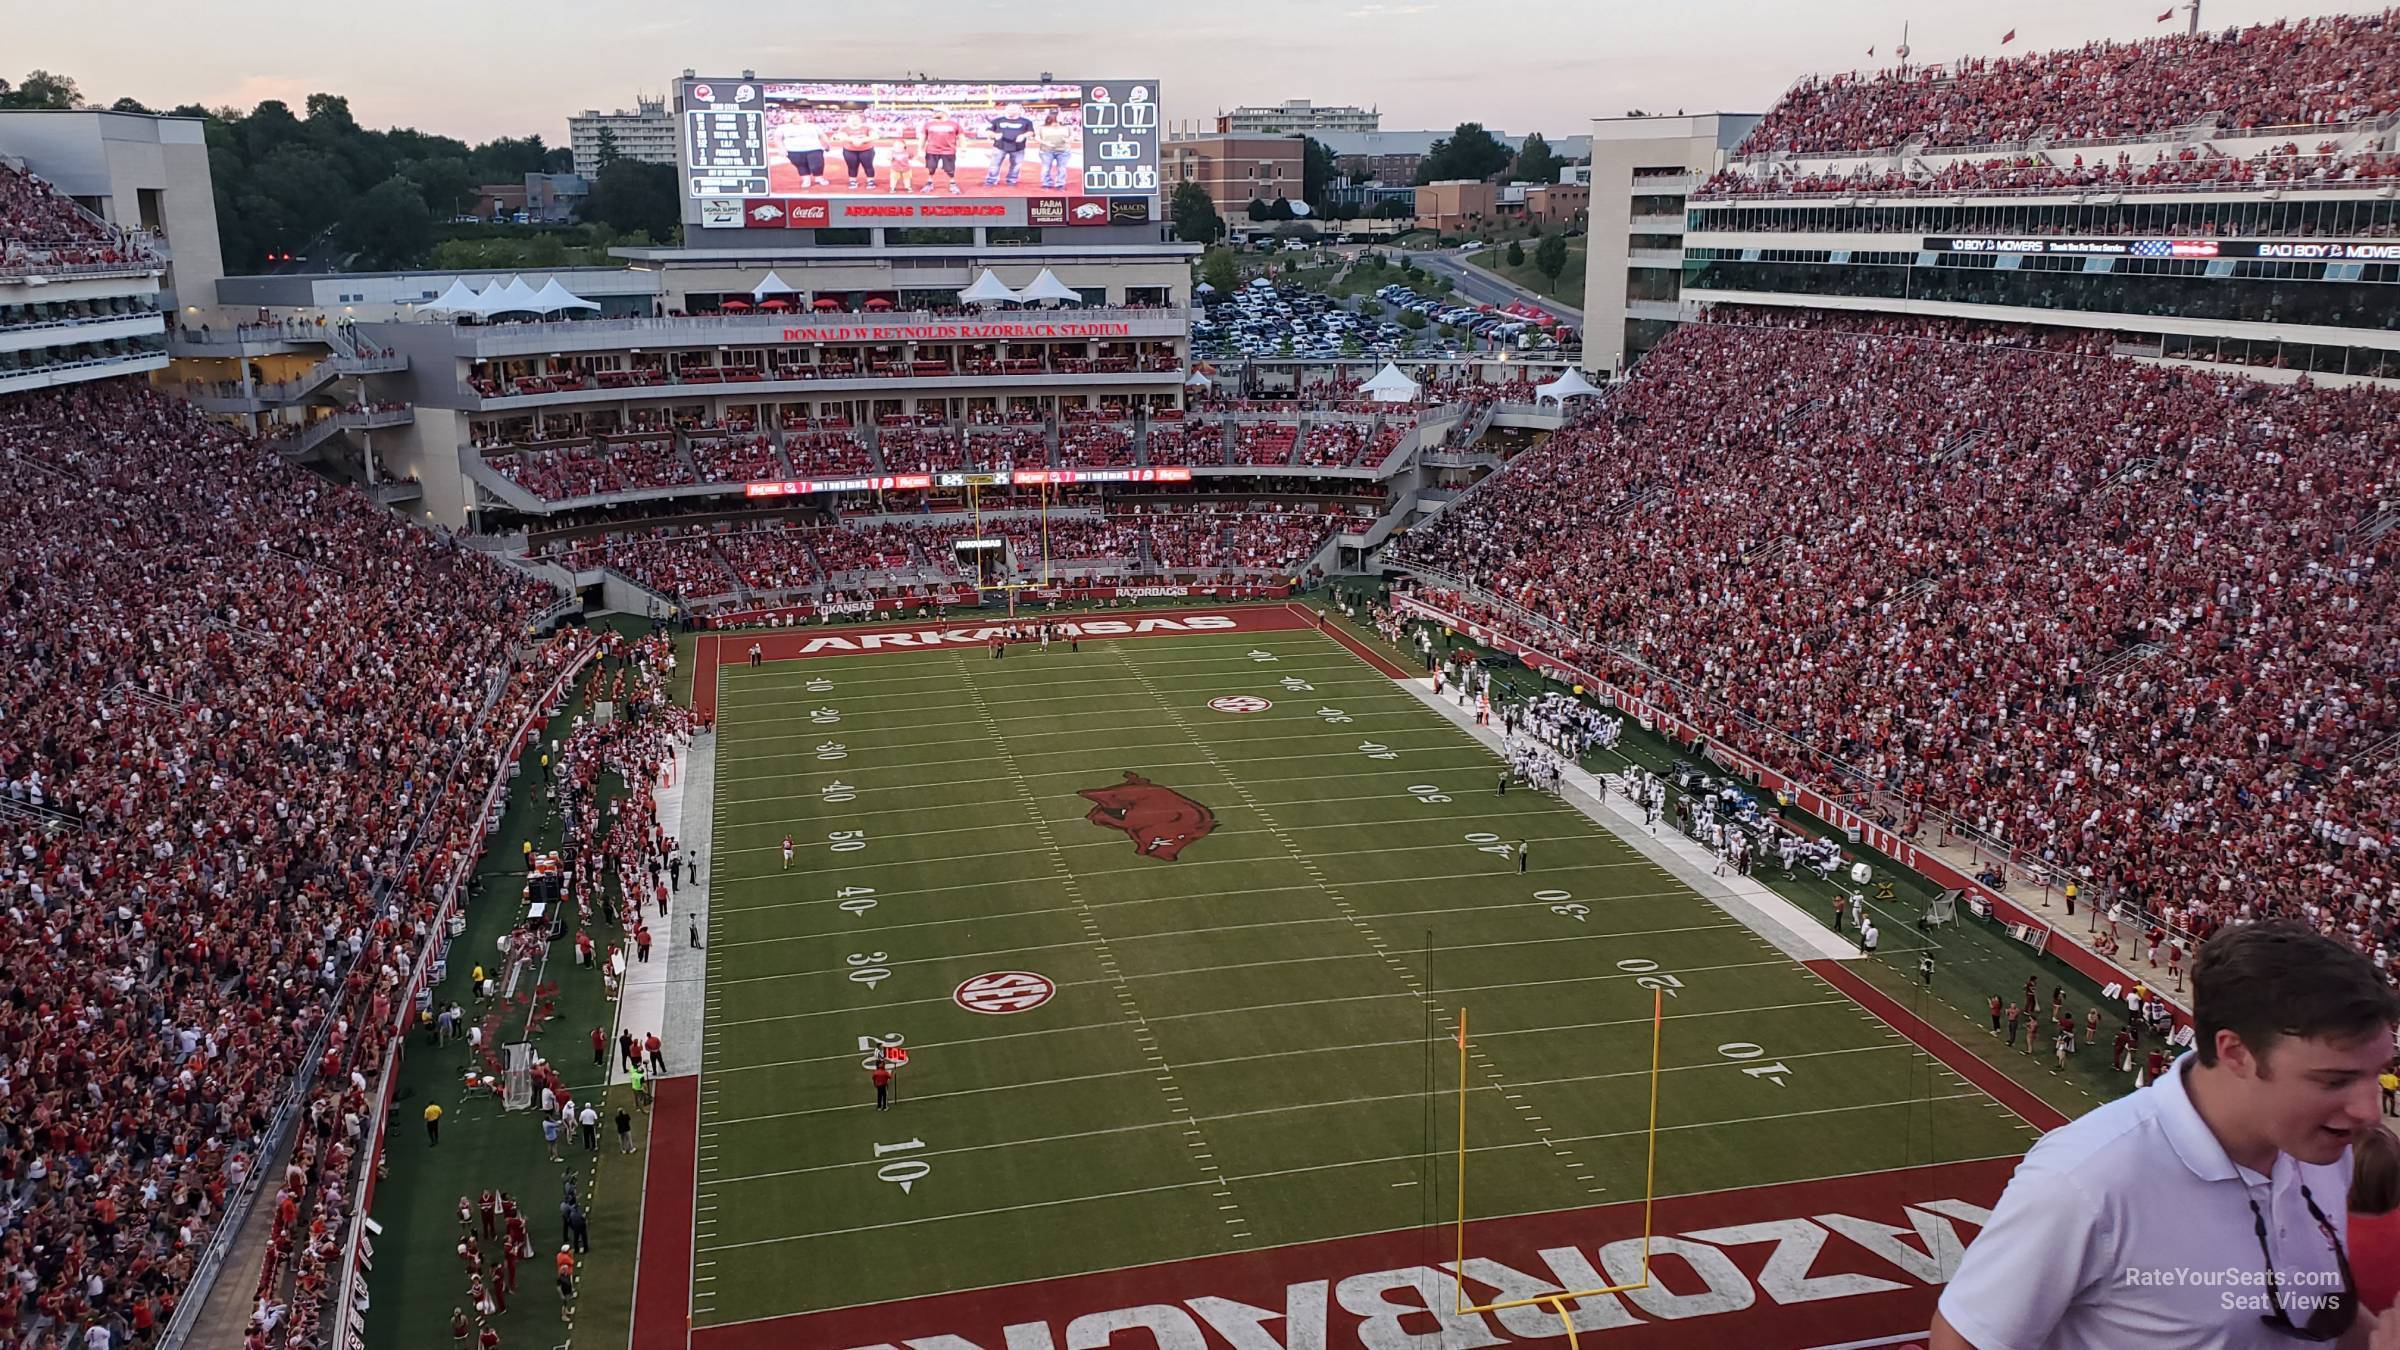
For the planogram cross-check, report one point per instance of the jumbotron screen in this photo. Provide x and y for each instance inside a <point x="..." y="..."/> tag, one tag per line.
<point x="815" y="153"/>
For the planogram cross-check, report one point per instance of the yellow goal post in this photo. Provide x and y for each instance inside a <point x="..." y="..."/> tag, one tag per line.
<point x="1557" y="1303"/>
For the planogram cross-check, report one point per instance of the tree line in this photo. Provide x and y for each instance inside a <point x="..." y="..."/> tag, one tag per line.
<point x="315" y="183"/>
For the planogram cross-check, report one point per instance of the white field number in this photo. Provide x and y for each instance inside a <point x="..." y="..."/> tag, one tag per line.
<point x="1335" y="716"/>
<point x="824" y="717"/>
<point x="1262" y="656"/>
<point x="1377" y="750"/>
<point x="867" y="968"/>
<point x="847" y="841"/>
<point x="906" y="1172"/>
<point x="1294" y="684"/>
<point x="820" y="685"/>
<point x="839" y="791"/>
<point x="855" y="900"/>
<point x="1741" y="1052"/>
<point x="1492" y="843"/>
<point x="833" y="750"/>
<point x="872" y="1047"/>
<point x="1427" y="793"/>
<point x="1651" y="977"/>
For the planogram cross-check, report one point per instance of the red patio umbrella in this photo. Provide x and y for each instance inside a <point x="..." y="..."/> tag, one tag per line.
<point x="878" y="302"/>
<point x="734" y="304"/>
<point x="776" y="303"/>
<point x="826" y="302"/>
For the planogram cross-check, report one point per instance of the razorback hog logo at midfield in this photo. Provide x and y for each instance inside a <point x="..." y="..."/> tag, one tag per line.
<point x="1160" y="821"/>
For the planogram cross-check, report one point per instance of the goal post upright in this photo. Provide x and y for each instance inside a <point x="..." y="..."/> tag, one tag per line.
<point x="1557" y="1302"/>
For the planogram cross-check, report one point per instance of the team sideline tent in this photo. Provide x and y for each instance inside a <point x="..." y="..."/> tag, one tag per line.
<point x="770" y="284"/>
<point x="1047" y="286"/>
<point x="1390" y="386"/>
<point x="989" y="290"/>
<point x="1567" y="386"/>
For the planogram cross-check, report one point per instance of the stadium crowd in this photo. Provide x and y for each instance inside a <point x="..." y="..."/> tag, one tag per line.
<point x="39" y="228"/>
<point x="2321" y="72"/>
<point x="2033" y="172"/>
<point x="2123" y="626"/>
<point x="239" y="692"/>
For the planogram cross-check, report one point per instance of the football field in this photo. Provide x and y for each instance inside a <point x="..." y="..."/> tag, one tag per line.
<point x="1174" y="931"/>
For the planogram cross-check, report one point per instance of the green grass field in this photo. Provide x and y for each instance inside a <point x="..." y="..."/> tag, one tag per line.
<point x="1248" y="1045"/>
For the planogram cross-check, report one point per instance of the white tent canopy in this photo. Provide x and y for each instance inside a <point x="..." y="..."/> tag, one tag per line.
<point x="514" y="298"/>
<point x="460" y="298"/>
<point x="1196" y="380"/>
<point x="552" y="298"/>
<point x="771" y="284"/>
<point x="1047" y="286"/>
<point x="1390" y="386"/>
<point x="989" y="290"/>
<point x="1567" y="386"/>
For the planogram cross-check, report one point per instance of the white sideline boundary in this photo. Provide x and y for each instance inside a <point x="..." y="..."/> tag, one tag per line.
<point x="1752" y="903"/>
<point x="664" y="994"/>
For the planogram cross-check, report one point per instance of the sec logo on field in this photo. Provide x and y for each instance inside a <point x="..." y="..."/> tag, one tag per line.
<point x="1240" y="703"/>
<point x="1004" y="991"/>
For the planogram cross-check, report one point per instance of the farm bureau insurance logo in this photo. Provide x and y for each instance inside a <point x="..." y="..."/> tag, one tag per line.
<point x="1160" y="821"/>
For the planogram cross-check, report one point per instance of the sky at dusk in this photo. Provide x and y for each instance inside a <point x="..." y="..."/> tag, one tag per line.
<point x="476" y="69"/>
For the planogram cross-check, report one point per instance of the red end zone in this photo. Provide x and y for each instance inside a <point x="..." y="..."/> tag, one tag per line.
<point x="1808" y="1264"/>
<point x="718" y="650"/>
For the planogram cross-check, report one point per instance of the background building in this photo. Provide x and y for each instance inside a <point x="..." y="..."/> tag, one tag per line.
<point x="647" y="133"/>
<point x="1456" y="203"/>
<point x="1296" y="117"/>
<point x="143" y="174"/>
<point x="1236" y="170"/>
<point x="1392" y="157"/>
<point x="1642" y="168"/>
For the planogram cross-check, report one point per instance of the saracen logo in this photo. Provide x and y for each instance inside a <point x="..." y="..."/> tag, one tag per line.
<point x="1160" y="821"/>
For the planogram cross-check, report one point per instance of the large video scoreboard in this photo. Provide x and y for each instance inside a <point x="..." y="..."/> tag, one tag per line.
<point x="809" y="154"/>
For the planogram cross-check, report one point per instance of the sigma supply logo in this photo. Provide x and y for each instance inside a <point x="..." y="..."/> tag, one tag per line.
<point x="1160" y="821"/>
<point x="762" y="213"/>
<point x="1128" y="210"/>
<point x="720" y="213"/>
<point x="1088" y="211"/>
<point x="808" y="215"/>
<point x="1045" y="210"/>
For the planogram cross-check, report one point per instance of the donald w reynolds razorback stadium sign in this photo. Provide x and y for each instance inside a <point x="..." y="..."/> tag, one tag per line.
<point x="958" y="332"/>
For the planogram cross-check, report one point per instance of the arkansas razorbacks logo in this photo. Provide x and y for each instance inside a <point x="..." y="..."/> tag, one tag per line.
<point x="1160" y="821"/>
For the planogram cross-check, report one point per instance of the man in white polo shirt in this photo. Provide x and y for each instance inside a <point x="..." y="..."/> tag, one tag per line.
<point x="2205" y="1212"/>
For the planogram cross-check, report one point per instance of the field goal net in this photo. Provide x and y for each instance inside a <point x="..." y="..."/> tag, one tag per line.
<point x="1944" y="909"/>
<point x="516" y="1082"/>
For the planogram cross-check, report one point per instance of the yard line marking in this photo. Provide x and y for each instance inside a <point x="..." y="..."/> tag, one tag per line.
<point x="1780" y="961"/>
<point x="1162" y="1072"/>
<point x="1325" y="1167"/>
<point x="1381" y="950"/>
<point x="1494" y="1077"/>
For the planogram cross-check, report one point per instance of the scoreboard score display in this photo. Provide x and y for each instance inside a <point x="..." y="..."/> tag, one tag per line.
<point x="779" y="154"/>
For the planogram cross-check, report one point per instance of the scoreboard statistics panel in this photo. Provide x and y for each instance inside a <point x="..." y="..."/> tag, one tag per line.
<point x="792" y="153"/>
